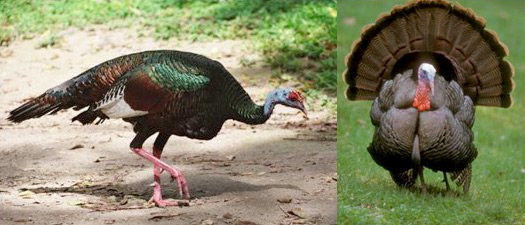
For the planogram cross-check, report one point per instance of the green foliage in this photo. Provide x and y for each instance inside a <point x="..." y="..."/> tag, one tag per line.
<point x="48" y="41"/>
<point x="366" y="193"/>
<point x="296" y="36"/>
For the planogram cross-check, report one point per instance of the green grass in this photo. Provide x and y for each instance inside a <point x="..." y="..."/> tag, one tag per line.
<point x="366" y="194"/>
<point x="296" y="37"/>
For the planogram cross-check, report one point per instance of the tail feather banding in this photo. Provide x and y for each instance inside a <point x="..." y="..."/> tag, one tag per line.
<point x="452" y="37"/>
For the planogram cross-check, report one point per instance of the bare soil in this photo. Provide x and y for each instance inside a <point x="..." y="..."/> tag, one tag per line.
<point x="53" y="171"/>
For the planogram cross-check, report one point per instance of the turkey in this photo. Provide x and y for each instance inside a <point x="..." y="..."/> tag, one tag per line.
<point x="165" y="92"/>
<point x="426" y="65"/>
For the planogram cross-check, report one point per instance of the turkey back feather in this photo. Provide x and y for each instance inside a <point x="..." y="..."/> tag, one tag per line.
<point x="450" y="37"/>
<point x="91" y="87"/>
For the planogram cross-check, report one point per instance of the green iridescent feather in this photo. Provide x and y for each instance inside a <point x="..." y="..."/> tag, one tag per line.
<point x="175" y="80"/>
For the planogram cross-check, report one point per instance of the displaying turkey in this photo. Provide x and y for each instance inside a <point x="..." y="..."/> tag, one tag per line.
<point x="169" y="92"/>
<point x="426" y="65"/>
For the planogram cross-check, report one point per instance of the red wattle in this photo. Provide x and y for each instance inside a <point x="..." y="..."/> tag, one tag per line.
<point x="422" y="99"/>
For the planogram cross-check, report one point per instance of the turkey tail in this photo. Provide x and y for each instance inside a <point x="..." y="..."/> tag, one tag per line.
<point x="78" y="92"/>
<point x="34" y="108"/>
<point x="452" y="38"/>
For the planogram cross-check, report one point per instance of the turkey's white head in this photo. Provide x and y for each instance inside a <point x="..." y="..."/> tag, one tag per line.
<point x="426" y="74"/>
<point x="284" y="96"/>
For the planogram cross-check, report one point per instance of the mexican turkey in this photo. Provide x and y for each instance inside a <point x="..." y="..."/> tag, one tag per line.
<point x="169" y="92"/>
<point x="426" y="65"/>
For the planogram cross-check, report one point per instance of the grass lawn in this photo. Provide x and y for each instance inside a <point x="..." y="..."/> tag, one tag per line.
<point x="366" y="193"/>
<point x="298" y="38"/>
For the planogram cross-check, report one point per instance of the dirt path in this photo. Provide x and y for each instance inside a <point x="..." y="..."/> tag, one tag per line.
<point x="56" y="172"/>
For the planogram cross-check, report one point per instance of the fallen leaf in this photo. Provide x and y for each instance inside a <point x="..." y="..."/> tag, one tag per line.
<point x="310" y="162"/>
<point x="299" y="212"/>
<point x="276" y="171"/>
<point x="76" y="202"/>
<point x="123" y="201"/>
<point x="23" y="220"/>
<point x="162" y="216"/>
<point x="328" y="179"/>
<point x="113" y="198"/>
<point x="334" y="177"/>
<point x="285" y="199"/>
<point x="134" y="201"/>
<point x="76" y="146"/>
<point x="227" y="216"/>
<point x="26" y="194"/>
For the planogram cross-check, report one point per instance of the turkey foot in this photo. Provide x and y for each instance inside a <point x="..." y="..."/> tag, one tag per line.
<point x="157" y="192"/>
<point x="422" y="179"/>
<point x="175" y="174"/>
<point x="446" y="181"/>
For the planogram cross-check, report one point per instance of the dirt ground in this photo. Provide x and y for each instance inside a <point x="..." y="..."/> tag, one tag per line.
<point x="53" y="171"/>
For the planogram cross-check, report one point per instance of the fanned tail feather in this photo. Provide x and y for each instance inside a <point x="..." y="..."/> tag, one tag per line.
<point x="450" y="37"/>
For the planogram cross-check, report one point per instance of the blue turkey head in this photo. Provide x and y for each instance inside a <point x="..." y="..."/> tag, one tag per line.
<point x="285" y="96"/>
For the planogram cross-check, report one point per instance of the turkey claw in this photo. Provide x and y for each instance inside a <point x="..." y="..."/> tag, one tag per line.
<point x="164" y="203"/>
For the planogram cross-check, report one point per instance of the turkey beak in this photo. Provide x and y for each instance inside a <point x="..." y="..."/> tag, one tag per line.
<point x="301" y="107"/>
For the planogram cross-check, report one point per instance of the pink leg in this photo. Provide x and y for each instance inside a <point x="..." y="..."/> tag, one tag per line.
<point x="157" y="191"/>
<point x="159" y="165"/>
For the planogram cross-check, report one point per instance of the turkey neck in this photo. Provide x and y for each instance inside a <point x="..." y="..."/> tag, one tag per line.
<point x="422" y="98"/>
<point x="242" y="107"/>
